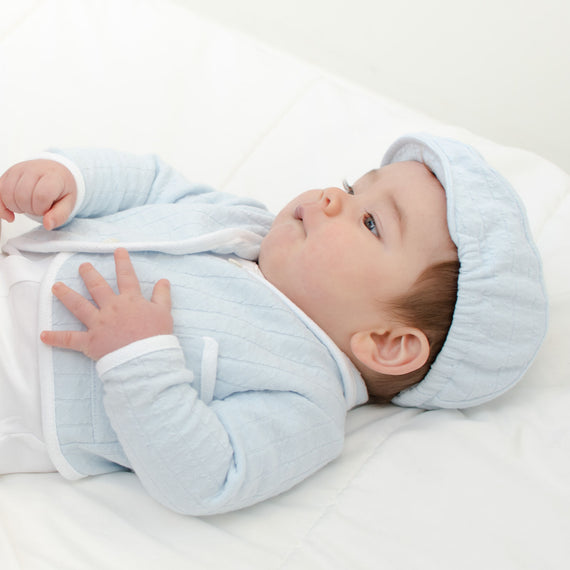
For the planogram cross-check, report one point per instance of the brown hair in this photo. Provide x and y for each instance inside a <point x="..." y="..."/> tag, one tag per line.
<point x="429" y="306"/>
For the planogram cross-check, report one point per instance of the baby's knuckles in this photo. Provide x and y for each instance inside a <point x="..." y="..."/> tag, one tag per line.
<point x="33" y="186"/>
<point x="130" y="318"/>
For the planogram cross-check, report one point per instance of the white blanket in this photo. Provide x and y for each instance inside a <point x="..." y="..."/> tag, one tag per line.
<point x="483" y="488"/>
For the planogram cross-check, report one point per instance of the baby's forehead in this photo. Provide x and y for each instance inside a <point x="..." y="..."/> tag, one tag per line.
<point x="369" y="178"/>
<point x="371" y="175"/>
<point x="411" y="167"/>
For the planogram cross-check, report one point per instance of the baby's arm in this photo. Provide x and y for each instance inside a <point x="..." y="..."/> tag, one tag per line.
<point x="111" y="181"/>
<point x="192" y="457"/>
<point x="117" y="320"/>
<point x="43" y="188"/>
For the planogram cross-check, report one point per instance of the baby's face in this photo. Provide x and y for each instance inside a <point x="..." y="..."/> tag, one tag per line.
<point x="339" y="254"/>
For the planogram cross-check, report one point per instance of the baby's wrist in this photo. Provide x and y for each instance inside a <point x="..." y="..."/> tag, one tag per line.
<point x="135" y="350"/>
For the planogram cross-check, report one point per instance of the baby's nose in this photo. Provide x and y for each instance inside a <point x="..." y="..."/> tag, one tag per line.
<point x="332" y="199"/>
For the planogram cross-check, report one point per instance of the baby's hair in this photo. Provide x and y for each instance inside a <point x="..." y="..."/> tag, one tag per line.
<point x="429" y="306"/>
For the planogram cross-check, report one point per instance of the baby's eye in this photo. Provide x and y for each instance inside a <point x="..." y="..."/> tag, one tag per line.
<point x="370" y="224"/>
<point x="347" y="188"/>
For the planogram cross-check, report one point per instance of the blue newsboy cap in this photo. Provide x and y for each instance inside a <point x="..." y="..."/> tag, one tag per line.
<point x="500" y="317"/>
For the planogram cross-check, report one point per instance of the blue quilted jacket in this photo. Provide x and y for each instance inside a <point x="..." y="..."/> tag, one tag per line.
<point x="247" y="398"/>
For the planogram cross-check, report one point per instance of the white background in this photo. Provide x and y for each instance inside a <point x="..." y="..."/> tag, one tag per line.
<point x="500" y="68"/>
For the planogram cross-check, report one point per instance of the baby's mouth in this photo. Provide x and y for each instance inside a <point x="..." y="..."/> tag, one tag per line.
<point x="298" y="215"/>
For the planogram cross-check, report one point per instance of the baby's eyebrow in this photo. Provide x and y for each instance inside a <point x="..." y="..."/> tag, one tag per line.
<point x="374" y="172"/>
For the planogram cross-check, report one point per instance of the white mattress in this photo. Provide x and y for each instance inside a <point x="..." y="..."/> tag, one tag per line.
<point x="483" y="488"/>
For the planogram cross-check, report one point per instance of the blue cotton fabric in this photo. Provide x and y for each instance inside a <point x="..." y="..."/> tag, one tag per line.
<point x="246" y="399"/>
<point x="500" y="317"/>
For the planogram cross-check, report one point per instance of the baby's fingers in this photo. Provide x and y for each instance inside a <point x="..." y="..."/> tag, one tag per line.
<point x="17" y="188"/>
<point x="127" y="280"/>
<point x="78" y="305"/>
<point x="96" y="284"/>
<point x="6" y="213"/>
<point x="38" y="187"/>
<point x="161" y="294"/>
<point x="58" y="214"/>
<point x="73" y="340"/>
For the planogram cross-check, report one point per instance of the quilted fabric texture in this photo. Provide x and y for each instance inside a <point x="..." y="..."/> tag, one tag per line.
<point x="500" y="315"/>
<point x="279" y="397"/>
<point x="484" y="487"/>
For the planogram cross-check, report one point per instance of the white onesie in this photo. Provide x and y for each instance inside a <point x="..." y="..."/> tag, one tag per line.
<point x="22" y="448"/>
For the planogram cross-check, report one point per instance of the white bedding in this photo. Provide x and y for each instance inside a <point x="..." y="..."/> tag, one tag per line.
<point x="483" y="488"/>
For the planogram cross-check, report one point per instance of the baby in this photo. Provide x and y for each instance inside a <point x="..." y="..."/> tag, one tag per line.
<point x="221" y="367"/>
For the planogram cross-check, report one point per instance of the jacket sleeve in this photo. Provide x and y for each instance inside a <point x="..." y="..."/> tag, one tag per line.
<point x="113" y="181"/>
<point x="200" y="459"/>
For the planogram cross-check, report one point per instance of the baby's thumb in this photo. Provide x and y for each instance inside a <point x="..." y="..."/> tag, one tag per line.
<point x="58" y="214"/>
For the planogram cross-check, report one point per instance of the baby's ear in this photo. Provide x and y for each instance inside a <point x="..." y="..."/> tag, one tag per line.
<point x="394" y="352"/>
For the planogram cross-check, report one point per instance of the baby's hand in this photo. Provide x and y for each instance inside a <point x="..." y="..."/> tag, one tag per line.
<point x="39" y="188"/>
<point x="117" y="320"/>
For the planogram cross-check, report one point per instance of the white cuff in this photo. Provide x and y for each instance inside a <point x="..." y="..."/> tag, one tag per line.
<point x="135" y="350"/>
